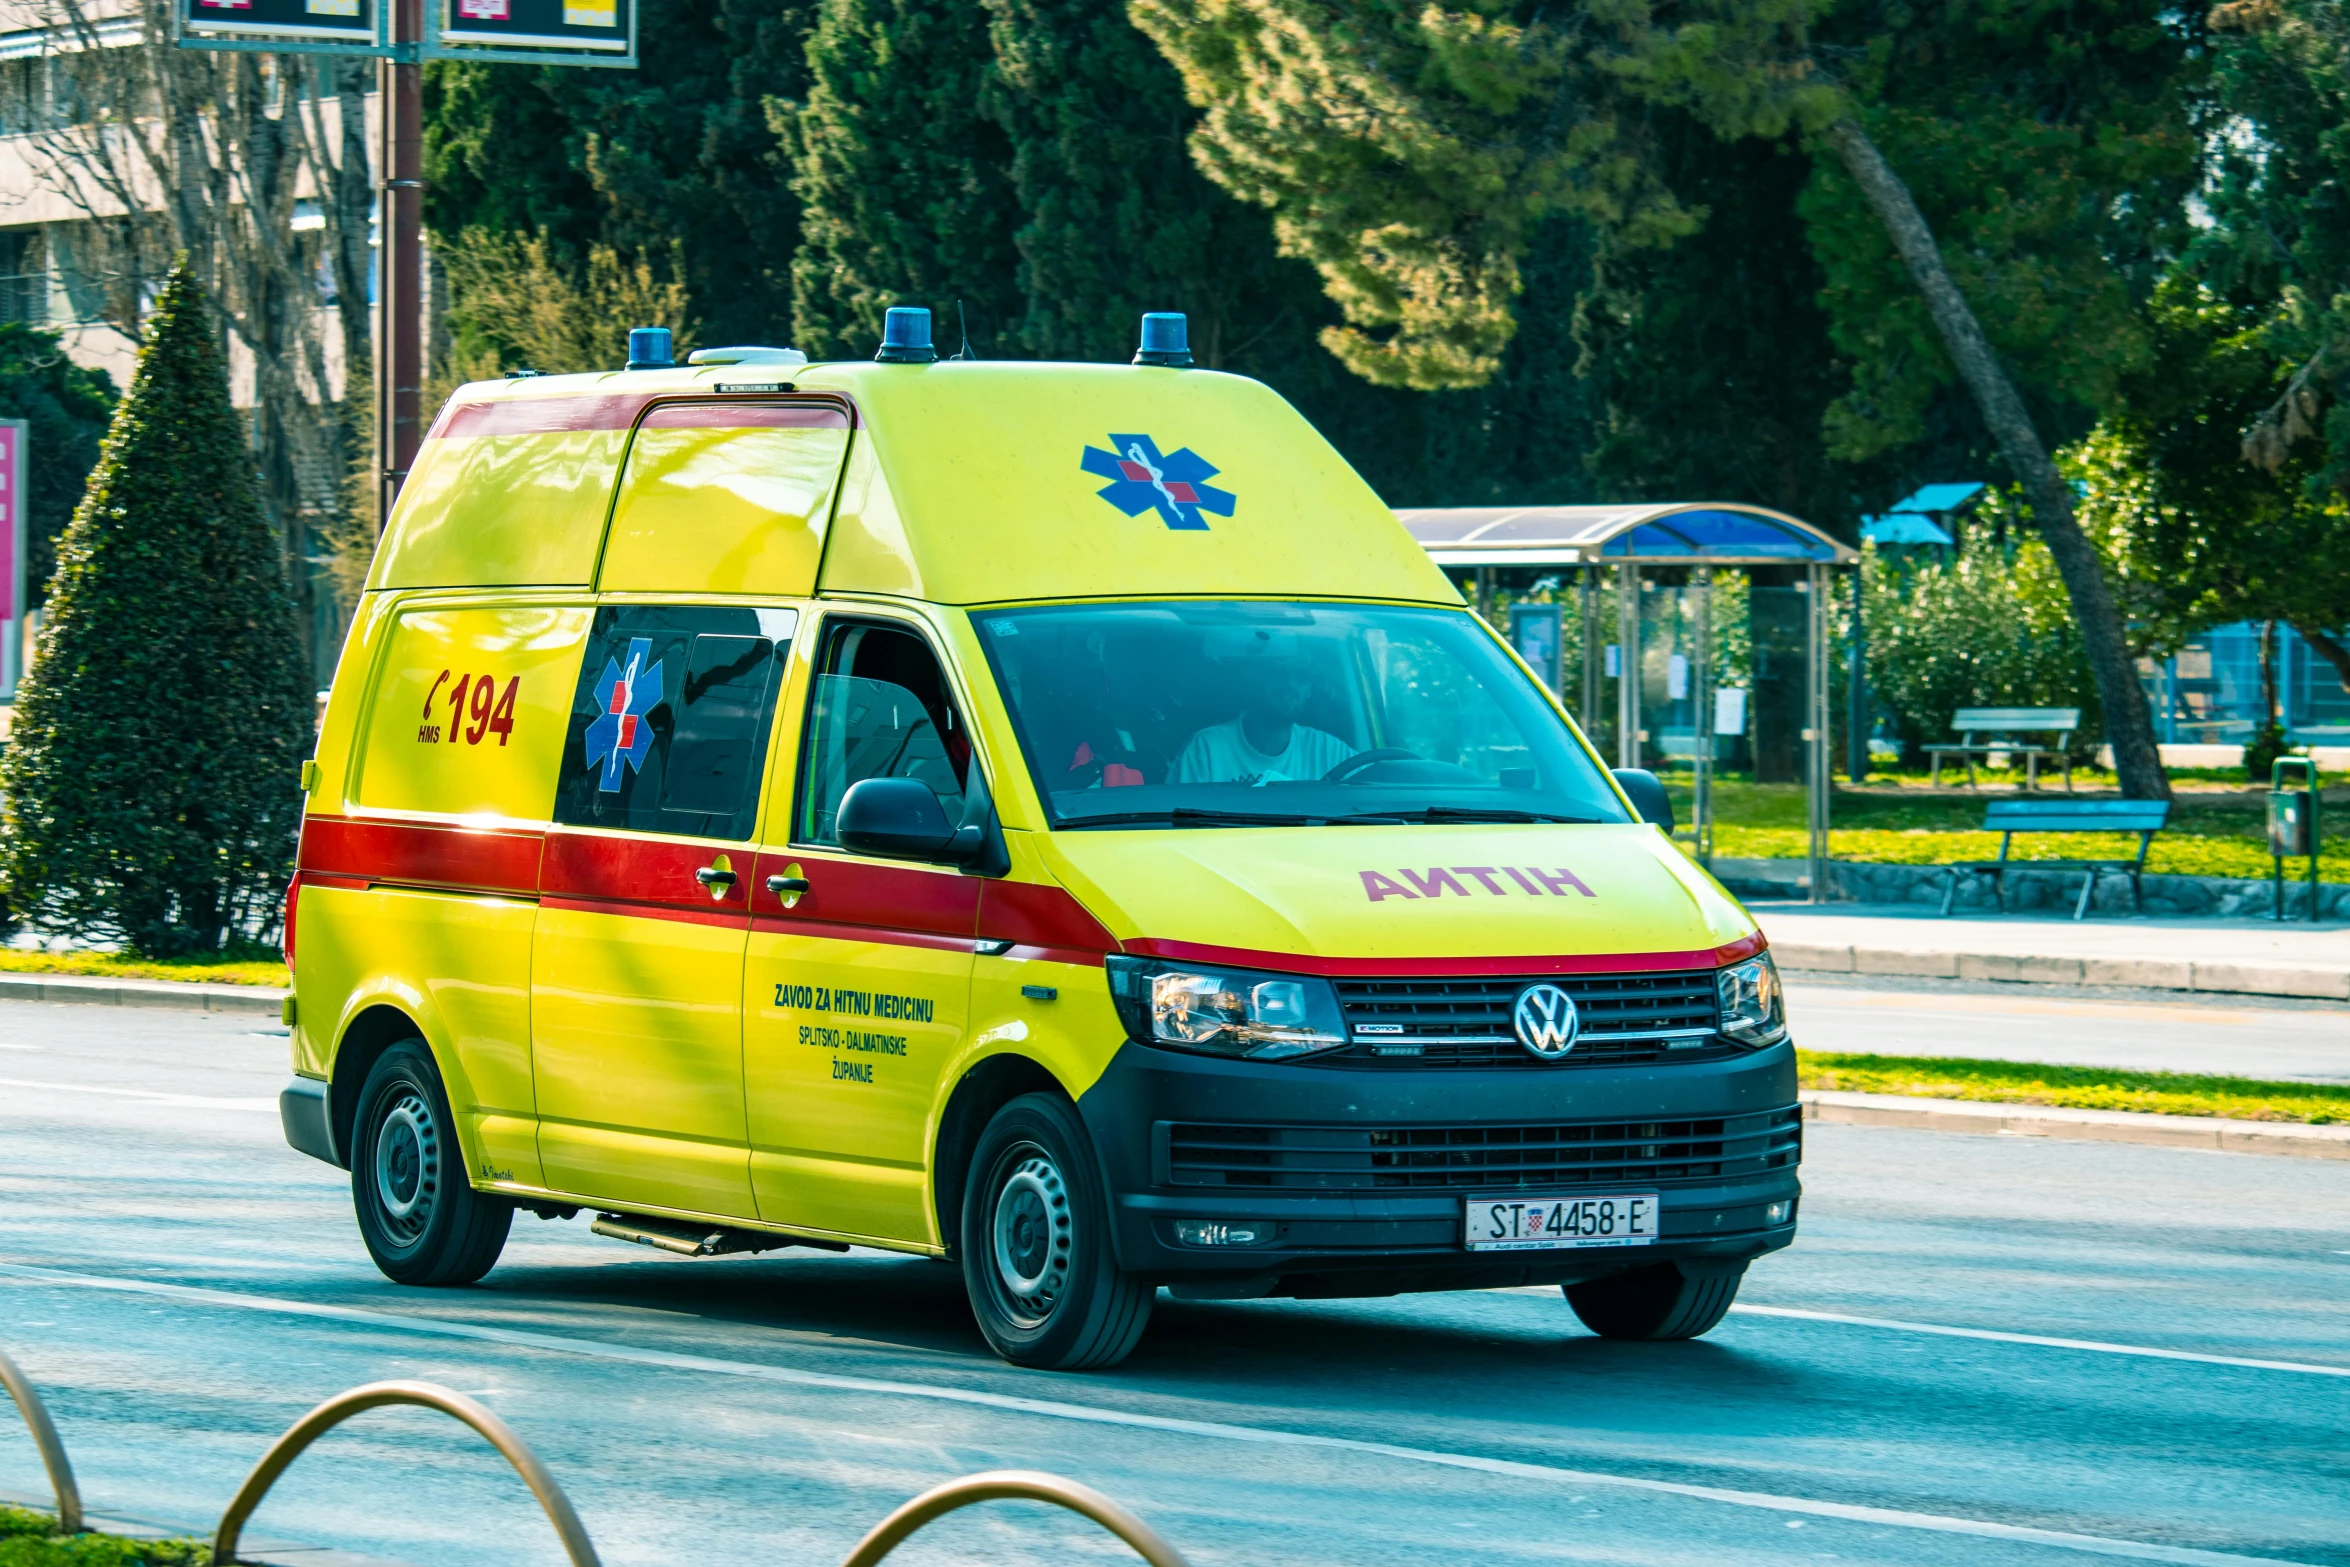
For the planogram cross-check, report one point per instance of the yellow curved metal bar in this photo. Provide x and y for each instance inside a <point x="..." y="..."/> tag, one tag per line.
<point x="425" y="1395"/>
<point x="1008" y="1485"/>
<point x="36" y="1419"/>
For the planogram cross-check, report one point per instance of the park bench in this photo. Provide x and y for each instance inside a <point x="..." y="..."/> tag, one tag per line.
<point x="2009" y="817"/>
<point x="1993" y="722"/>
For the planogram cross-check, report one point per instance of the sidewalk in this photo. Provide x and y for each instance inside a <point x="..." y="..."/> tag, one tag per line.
<point x="2236" y="956"/>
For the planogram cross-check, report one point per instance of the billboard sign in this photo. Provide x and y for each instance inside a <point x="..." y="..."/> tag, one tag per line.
<point x="603" y="26"/>
<point x="326" y="21"/>
<point x="12" y="552"/>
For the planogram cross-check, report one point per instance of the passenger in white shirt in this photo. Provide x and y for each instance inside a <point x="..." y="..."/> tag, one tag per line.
<point x="1265" y="744"/>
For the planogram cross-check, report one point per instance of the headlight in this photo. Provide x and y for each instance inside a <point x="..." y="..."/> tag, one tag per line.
<point x="1226" y="1012"/>
<point x="1753" y="1013"/>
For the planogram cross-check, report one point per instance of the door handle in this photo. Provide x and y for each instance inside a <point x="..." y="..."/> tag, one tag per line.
<point x="780" y="884"/>
<point x="712" y="876"/>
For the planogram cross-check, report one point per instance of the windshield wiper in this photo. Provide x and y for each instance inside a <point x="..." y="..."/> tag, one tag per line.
<point x="1189" y="816"/>
<point x="1469" y="813"/>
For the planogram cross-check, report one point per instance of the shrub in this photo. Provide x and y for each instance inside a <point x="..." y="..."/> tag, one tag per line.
<point x="1991" y="626"/>
<point x="152" y="771"/>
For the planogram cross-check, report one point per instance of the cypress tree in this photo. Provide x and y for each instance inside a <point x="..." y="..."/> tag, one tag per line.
<point x="152" y="775"/>
<point x="902" y="178"/>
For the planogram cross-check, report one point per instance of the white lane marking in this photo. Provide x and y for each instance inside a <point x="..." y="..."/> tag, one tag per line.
<point x="152" y="1096"/>
<point x="2093" y="1346"/>
<point x="1054" y="1409"/>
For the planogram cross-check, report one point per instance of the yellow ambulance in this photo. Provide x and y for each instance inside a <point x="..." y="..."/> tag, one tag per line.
<point x="1048" y="817"/>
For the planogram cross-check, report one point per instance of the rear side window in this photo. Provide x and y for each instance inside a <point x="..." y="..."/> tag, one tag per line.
<point x="878" y="708"/>
<point x="670" y="719"/>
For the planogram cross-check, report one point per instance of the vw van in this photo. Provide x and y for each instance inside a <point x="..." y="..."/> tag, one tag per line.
<point x="1049" y="818"/>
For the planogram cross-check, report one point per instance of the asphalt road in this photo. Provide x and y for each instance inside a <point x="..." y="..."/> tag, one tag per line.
<point x="2242" y="1036"/>
<point x="184" y="1287"/>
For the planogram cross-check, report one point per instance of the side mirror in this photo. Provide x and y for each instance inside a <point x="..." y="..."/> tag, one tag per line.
<point x="894" y="819"/>
<point x="1640" y="786"/>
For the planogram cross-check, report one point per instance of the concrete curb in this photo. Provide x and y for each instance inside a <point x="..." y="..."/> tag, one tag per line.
<point x="2243" y="979"/>
<point x="251" y="999"/>
<point x="2210" y="1133"/>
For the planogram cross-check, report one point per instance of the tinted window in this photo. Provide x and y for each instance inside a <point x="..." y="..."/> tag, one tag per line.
<point x="879" y="709"/>
<point x="669" y="723"/>
<point x="1171" y="714"/>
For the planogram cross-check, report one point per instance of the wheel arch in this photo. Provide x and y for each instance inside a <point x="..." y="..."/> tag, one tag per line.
<point x="986" y="1087"/>
<point x="372" y="1030"/>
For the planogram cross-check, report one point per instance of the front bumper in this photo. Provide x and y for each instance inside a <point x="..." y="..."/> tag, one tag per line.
<point x="1361" y="1174"/>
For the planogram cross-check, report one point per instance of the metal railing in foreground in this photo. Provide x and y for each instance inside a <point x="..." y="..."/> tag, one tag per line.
<point x="885" y="1537"/>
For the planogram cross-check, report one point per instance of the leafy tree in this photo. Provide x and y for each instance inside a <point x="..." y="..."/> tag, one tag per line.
<point x="66" y="408"/>
<point x="903" y="178"/>
<point x="1411" y="150"/>
<point x="151" y="772"/>
<point x="630" y="162"/>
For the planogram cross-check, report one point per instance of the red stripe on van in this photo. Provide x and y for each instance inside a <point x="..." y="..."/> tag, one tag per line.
<point x="1045" y="919"/>
<point x="1440" y="968"/>
<point x="647" y="878"/>
<point x="855" y="900"/>
<point x="422" y="854"/>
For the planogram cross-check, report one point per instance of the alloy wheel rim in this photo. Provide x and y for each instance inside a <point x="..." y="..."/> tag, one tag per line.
<point x="407" y="1166"/>
<point x="1033" y="1236"/>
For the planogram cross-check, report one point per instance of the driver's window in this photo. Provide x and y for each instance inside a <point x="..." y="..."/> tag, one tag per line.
<point x="878" y="708"/>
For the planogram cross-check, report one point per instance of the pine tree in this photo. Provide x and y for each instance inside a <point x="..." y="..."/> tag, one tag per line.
<point x="902" y="178"/>
<point x="151" y="774"/>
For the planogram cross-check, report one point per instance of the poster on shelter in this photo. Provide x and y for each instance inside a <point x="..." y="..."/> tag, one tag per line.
<point x="12" y="548"/>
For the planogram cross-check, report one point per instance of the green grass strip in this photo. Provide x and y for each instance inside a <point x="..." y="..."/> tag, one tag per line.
<point x="111" y="965"/>
<point x="30" y="1539"/>
<point x="2076" y="1087"/>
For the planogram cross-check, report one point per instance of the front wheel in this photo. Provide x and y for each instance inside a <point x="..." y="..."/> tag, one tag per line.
<point x="1659" y="1302"/>
<point x="1036" y="1254"/>
<point x="421" y="1218"/>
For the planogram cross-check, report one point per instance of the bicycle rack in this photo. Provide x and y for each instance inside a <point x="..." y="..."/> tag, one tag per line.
<point x="885" y="1537"/>
<point x="53" y="1459"/>
<point x="375" y="1395"/>
<point x="1013" y="1484"/>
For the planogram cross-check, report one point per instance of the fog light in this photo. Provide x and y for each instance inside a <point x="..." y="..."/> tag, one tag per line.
<point x="1778" y="1213"/>
<point x="1220" y="1232"/>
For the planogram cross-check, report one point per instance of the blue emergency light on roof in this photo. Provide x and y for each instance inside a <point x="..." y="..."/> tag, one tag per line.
<point x="649" y="348"/>
<point x="1166" y="340"/>
<point x="905" y="337"/>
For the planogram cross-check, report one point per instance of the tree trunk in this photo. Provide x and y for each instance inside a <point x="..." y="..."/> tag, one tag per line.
<point x="2129" y="722"/>
<point x="2329" y="649"/>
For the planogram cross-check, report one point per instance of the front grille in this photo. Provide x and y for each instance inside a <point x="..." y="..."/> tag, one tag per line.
<point x="1484" y="1158"/>
<point x="1627" y="1019"/>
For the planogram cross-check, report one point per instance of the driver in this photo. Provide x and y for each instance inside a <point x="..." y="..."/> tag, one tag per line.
<point x="1265" y="744"/>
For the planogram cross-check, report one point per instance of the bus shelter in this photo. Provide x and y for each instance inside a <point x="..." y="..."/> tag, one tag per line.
<point x="1660" y="560"/>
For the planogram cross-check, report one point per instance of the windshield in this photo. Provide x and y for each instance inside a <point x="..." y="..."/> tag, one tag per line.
<point x="1241" y="714"/>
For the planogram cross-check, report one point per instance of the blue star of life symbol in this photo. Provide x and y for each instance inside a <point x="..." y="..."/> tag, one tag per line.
<point x="621" y="732"/>
<point x="1144" y="480"/>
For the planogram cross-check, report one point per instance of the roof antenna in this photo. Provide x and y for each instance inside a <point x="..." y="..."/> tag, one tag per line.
<point x="965" y="326"/>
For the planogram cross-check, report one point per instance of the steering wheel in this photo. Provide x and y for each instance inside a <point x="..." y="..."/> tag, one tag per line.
<point x="1367" y="759"/>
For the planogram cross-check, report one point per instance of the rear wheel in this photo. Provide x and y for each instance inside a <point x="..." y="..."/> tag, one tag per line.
<point x="1036" y="1253"/>
<point x="421" y="1218"/>
<point x="1659" y="1302"/>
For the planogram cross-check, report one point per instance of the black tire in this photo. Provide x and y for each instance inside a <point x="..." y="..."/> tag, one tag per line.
<point x="419" y="1214"/>
<point x="1655" y="1303"/>
<point x="1037" y="1261"/>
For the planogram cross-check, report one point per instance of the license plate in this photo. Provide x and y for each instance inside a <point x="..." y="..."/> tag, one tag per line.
<point x="1559" y="1223"/>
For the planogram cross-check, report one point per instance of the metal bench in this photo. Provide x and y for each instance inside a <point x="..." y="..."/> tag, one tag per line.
<point x="1996" y="721"/>
<point x="2009" y="817"/>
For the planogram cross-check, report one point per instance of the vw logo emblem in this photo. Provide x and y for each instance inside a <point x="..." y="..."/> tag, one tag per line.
<point x="1546" y="1021"/>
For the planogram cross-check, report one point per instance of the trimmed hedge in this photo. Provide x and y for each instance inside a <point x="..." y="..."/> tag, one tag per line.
<point x="153" y="771"/>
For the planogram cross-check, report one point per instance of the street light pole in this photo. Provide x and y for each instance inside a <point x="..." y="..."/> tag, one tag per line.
<point x="399" y="301"/>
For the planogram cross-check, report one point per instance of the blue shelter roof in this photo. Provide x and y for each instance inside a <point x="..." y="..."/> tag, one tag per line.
<point x="1716" y="533"/>
<point x="1936" y="498"/>
<point x="1903" y="528"/>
